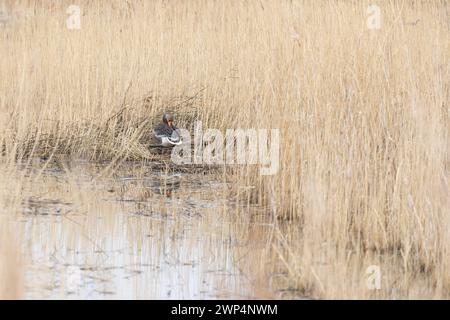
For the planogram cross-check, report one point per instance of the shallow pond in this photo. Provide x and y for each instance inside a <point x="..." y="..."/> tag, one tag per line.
<point x="139" y="231"/>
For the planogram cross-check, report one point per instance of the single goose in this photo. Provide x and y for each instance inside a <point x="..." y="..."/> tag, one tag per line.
<point x="166" y="134"/>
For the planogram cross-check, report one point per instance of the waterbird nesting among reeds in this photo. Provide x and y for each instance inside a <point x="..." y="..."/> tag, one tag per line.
<point x="166" y="133"/>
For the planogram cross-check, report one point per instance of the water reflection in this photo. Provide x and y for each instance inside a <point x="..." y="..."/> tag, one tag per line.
<point x="140" y="234"/>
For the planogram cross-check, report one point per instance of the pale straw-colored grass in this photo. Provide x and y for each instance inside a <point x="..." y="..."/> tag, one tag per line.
<point x="363" y="117"/>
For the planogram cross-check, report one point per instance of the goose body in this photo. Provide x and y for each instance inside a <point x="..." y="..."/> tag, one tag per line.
<point x="165" y="141"/>
<point x="166" y="135"/>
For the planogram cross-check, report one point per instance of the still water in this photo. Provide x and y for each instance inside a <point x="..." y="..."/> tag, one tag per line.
<point x="139" y="231"/>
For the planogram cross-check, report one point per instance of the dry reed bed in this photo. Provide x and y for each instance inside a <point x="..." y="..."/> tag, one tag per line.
<point x="363" y="115"/>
